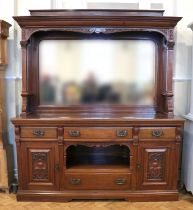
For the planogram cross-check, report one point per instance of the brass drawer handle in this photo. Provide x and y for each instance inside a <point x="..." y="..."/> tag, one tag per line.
<point x="74" y="133"/>
<point x="157" y="133"/>
<point x="38" y="133"/>
<point x="75" y="181"/>
<point x="120" y="181"/>
<point x="122" y="133"/>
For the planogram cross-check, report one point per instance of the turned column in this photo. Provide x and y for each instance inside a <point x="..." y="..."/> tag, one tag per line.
<point x="4" y="33"/>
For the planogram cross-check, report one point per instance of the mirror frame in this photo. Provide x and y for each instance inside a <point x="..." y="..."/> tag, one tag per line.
<point x="83" y="24"/>
<point x="156" y="38"/>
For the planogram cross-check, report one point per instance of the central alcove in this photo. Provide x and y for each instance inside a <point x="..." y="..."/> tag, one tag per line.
<point x="101" y="157"/>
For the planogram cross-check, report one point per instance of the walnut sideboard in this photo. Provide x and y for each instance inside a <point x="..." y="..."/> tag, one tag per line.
<point x="77" y="158"/>
<point x="73" y="144"/>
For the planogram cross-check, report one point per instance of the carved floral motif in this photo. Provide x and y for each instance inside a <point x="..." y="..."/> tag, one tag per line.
<point x="155" y="166"/>
<point x="40" y="165"/>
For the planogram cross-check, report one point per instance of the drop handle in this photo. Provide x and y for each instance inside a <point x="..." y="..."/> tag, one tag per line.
<point x="157" y="133"/>
<point x="74" y="133"/>
<point x="122" y="133"/>
<point x="38" y="133"/>
<point x="120" y="181"/>
<point x="75" y="181"/>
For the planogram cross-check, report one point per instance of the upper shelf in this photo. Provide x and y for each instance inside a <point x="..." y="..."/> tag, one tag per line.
<point x="99" y="18"/>
<point x="94" y="12"/>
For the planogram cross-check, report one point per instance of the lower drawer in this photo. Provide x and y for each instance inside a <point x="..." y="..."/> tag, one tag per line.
<point x="100" y="181"/>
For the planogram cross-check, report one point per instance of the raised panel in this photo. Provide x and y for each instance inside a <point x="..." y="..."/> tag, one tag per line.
<point x="155" y="171"/>
<point x="39" y="166"/>
<point x="156" y="168"/>
<point x="40" y="162"/>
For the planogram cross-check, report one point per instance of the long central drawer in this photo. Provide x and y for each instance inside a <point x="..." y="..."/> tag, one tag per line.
<point x="98" y="132"/>
<point x="99" y="181"/>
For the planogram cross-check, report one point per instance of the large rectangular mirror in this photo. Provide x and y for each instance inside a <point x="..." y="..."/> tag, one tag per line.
<point x="76" y="72"/>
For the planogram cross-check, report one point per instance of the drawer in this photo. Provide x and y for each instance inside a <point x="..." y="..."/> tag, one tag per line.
<point x="39" y="132"/>
<point x="157" y="133"/>
<point x="97" y="133"/>
<point x="100" y="181"/>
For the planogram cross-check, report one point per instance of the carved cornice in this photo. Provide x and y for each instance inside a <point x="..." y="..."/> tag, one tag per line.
<point x="98" y="19"/>
<point x="28" y="32"/>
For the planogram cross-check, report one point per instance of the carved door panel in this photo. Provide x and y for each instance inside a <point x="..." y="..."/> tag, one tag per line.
<point x="154" y="171"/>
<point x="40" y="166"/>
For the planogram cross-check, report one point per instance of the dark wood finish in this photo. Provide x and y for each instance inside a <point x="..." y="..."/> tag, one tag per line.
<point x="155" y="161"/>
<point x="90" y="24"/>
<point x="98" y="151"/>
<point x="40" y="166"/>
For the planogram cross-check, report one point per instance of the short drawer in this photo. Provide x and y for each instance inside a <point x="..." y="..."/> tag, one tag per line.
<point x="157" y="133"/>
<point x="97" y="133"/>
<point x="38" y="132"/>
<point x="100" y="181"/>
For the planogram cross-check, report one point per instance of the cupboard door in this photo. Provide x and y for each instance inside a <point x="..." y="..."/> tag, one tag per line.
<point x="154" y="171"/>
<point x="40" y="165"/>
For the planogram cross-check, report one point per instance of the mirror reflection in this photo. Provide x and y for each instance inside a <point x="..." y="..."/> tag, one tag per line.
<point x="74" y="72"/>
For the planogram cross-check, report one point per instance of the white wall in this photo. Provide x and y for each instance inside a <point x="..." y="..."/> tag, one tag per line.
<point x="182" y="73"/>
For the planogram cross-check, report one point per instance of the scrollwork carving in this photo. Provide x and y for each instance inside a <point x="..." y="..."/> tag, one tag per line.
<point x="171" y="34"/>
<point x="97" y="30"/>
<point x="39" y="165"/>
<point x="95" y="144"/>
<point x="155" y="166"/>
<point x="26" y="34"/>
<point x="170" y="45"/>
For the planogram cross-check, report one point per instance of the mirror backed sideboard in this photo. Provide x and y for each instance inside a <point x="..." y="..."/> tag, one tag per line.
<point x="97" y="116"/>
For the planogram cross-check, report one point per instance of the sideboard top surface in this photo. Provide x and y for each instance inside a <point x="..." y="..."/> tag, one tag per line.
<point x="98" y="118"/>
